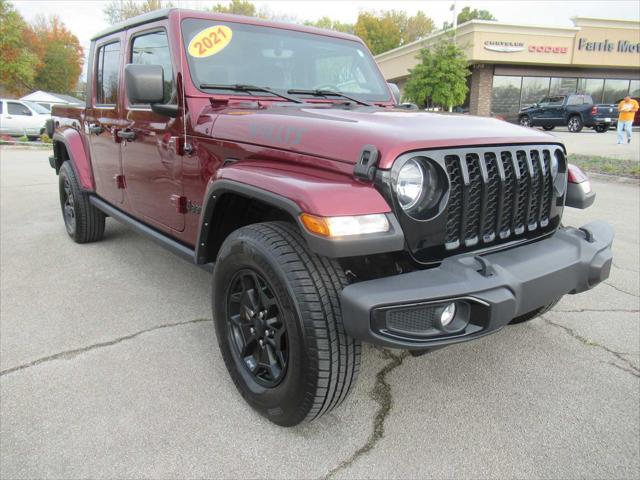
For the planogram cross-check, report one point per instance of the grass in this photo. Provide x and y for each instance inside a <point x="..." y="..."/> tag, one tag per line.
<point x="606" y="165"/>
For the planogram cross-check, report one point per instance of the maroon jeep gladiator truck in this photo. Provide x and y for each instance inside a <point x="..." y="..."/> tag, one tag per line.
<point x="276" y="156"/>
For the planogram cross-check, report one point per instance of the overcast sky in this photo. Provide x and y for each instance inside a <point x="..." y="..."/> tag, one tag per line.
<point x="85" y="18"/>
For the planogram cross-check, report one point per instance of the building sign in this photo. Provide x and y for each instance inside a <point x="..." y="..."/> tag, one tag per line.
<point x="505" y="47"/>
<point x="621" y="46"/>
<point x="547" y="49"/>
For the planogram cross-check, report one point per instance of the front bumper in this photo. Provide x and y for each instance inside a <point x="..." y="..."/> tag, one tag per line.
<point x="494" y="288"/>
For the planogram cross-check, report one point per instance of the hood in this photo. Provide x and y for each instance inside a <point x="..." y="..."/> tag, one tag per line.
<point x="340" y="133"/>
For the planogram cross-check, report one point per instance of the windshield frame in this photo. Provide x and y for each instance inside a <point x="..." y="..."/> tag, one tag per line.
<point x="385" y="97"/>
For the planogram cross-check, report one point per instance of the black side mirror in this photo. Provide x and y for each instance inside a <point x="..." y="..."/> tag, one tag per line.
<point x="145" y="85"/>
<point x="395" y="91"/>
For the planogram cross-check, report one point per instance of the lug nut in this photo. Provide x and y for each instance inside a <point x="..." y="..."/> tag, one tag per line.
<point x="252" y="330"/>
<point x="261" y="342"/>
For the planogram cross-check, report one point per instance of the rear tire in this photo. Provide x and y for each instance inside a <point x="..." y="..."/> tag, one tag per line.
<point x="534" y="313"/>
<point x="268" y="287"/>
<point x="83" y="221"/>
<point x="575" y="124"/>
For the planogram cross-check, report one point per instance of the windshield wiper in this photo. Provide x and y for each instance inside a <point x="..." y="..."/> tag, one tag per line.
<point x="324" y="93"/>
<point x="249" y="88"/>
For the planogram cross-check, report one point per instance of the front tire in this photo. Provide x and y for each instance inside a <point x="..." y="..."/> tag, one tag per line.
<point x="279" y="325"/>
<point x="525" y="121"/>
<point x="534" y="313"/>
<point x="84" y="222"/>
<point x="575" y="124"/>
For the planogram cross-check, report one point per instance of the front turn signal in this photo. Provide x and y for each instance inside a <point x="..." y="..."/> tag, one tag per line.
<point x="345" y="225"/>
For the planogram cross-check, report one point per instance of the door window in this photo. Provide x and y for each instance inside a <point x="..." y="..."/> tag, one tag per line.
<point x="153" y="49"/>
<point x="108" y="74"/>
<point x="14" y="108"/>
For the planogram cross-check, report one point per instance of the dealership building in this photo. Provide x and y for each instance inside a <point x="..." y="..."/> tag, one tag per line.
<point x="513" y="65"/>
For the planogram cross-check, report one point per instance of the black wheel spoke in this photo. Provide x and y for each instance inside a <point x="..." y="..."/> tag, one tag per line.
<point x="256" y="328"/>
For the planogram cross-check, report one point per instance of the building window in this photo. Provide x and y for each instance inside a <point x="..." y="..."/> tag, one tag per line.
<point x="153" y="49"/>
<point x="634" y="88"/>
<point x="108" y="73"/>
<point x="505" y="96"/>
<point x="593" y="87"/>
<point x="615" y="90"/>
<point x="562" y="86"/>
<point x="533" y="89"/>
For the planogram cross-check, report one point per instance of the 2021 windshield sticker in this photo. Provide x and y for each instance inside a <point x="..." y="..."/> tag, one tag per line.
<point x="210" y="41"/>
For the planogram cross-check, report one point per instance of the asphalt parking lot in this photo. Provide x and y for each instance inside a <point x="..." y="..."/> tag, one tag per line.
<point x="109" y="368"/>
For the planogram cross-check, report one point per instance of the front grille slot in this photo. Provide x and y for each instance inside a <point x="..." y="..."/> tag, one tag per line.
<point x="498" y="194"/>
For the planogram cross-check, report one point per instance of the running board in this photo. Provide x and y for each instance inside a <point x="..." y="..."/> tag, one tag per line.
<point x="160" y="238"/>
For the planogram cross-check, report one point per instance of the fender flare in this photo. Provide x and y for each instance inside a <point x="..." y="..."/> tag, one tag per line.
<point x="390" y="241"/>
<point x="78" y="156"/>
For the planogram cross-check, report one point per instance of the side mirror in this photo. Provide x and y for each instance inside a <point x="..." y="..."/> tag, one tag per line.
<point x="395" y="91"/>
<point x="145" y="84"/>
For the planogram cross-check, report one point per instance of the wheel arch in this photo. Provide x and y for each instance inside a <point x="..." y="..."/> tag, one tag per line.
<point x="68" y="145"/>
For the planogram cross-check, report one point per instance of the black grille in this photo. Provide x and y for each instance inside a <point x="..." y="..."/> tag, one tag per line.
<point x="498" y="194"/>
<point x="411" y="320"/>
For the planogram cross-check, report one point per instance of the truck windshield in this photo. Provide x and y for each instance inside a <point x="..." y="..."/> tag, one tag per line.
<point x="226" y="53"/>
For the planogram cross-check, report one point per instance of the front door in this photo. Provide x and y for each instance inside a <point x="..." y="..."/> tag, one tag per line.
<point x="104" y="119"/>
<point x="152" y="168"/>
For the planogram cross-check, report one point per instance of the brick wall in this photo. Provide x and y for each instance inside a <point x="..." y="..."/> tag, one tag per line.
<point x="480" y="94"/>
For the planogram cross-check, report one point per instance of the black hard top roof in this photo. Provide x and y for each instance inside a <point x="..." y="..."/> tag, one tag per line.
<point x="134" y="21"/>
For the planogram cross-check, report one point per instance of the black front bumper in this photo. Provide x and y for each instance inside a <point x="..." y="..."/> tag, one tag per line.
<point x="493" y="289"/>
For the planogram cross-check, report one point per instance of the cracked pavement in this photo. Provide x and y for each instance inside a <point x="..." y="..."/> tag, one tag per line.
<point x="109" y="368"/>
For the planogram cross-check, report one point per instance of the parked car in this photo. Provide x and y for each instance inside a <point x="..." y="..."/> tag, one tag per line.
<point x="636" y="117"/>
<point x="328" y="215"/>
<point x="575" y="111"/>
<point x="19" y="117"/>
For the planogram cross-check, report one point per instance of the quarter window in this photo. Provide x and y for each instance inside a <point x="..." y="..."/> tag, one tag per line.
<point x="153" y="49"/>
<point x="108" y="74"/>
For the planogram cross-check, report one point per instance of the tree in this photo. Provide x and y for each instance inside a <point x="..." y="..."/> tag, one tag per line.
<point x="467" y="14"/>
<point x="238" y="7"/>
<point x="387" y="30"/>
<point x="61" y="56"/>
<point x="18" y="61"/>
<point x="328" y="24"/>
<point x="440" y="77"/>
<point x="118" y="10"/>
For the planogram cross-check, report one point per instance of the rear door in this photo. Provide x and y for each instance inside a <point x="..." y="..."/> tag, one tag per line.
<point x="103" y="119"/>
<point x="152" y="169"/>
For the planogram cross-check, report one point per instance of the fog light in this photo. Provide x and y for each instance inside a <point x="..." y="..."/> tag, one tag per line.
<point x="448" y="314"/>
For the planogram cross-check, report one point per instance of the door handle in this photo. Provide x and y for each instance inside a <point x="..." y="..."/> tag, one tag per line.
<point x="97" y="129"/>
<point x="126" y="134"/>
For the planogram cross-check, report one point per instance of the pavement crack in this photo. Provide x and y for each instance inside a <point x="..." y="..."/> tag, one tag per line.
<point x="580" y="310"/>
<point x="623" y="268"/>
<point x="380" y="393"/>
<point x="621" y="290"/>
<point x="69" y="354"/>
<point x="629" y="367"/>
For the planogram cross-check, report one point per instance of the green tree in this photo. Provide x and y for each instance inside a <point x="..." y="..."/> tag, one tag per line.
<point x="61" y="56"/>
<point x="238" y="7"/>
<point x="440" y="79"/>
<point x="390" y="29"/>
<point x="118" y="10"/>
<point x="467" y="14"/>
<point x="328" y="24"/>
<point x="18" y="60"/>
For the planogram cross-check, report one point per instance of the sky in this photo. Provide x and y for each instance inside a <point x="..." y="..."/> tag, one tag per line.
<point x="84" y="17"/>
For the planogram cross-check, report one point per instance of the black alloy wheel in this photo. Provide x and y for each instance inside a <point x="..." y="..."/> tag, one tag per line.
<point x="256" y="330"/>
<point x="68" y="207"/>
<point x="525" y="121"/>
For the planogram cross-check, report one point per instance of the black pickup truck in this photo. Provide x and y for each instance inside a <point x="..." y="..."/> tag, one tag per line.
<point x="575" y="111"/>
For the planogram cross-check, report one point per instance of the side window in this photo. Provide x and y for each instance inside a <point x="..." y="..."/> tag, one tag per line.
<point x="107" y="74"/>
<point x="556" y="101"/>
<point x="153" y="49"/>
<point x="14" y="108"/>
<point x="575" y="100"/>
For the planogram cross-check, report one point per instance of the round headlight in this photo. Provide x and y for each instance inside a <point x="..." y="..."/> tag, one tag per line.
<point x="410" y="184"/>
